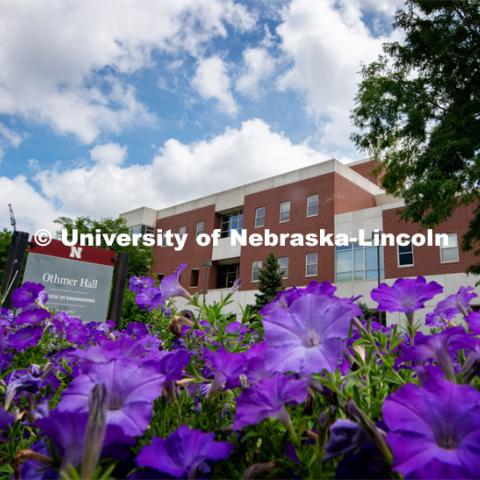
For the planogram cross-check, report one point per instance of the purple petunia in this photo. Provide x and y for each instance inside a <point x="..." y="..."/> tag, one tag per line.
<point x="405" y="295"/>
<point x="226" y="367"/>
<point x="28" y="294"/>
<point x="447" y="309"/>
<point x="25" y="337"/>
<point x="170" y="285"/>
<point x="434" y="430"/>
<point x="32" y="316"/>
<point x="439" y="347"/>
<point x="307" y="333"/>
<point x="67" y="432"/>
<point x="183" y="453"/>
<point x="267" y="399"/>
<point x="473" y="320"/>
<point x="131" y="385"/>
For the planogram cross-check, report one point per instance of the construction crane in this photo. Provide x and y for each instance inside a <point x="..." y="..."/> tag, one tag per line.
<point x="13" y="222"/>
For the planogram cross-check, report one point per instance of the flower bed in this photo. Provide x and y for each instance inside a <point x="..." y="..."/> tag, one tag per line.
<point x="310" y="389"/>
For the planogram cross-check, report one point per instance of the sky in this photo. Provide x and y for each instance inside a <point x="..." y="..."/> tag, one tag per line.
<point x="108" y="106"/>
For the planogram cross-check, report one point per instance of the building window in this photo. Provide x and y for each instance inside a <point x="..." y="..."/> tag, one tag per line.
<point x="226" y="275"/>
<point x="194" y="276"/>
<point x="312" y="205"/>
<point x="285" y="212"/>
<point x="141" y="229"/>
<point x="283" y="262"/>
<point x="256" y="266"/>
<point x="354" y="262"/>
<point x="259" y="217"/>
<point x="182" y="231"/>
<point x="231" y="221"/>
<point x="311" y="264"/>
<point x="405" y="255"/>
<point x="200" y="228"/>
<point x="450" y="254"/>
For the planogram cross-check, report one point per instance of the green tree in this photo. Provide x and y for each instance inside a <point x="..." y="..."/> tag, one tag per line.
<point x="140" y="257"/>
<point x="270" y="281"/>
<point x="5" y="239"/>
<point x="418" y="112"/>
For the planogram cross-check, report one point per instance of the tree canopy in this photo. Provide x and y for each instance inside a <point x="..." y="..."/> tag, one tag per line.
<point x="418" y="112"/>
<point x="140" y="257"/>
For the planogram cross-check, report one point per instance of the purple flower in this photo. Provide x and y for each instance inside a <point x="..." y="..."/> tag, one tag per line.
<point x="446" y="310"/>
<point x="440" y="347"/>
<point x="227" y="368"/>
<point x="25" y="338"/>
<point x="28" y="294"/>
<point x="137" y="329"/>
<point x="405" y="295"/>
<point x="183" y="452"/>
<point x="308" y="333"/>
<point x="136" y="284"/>
<point x="6" y="419"/>
<point x="32" y="316"/>
<point x="434" y="431"/>
<point x="473" y="320"/>
<point x="67" y="431"/>
<point x="267" y="399"/>
<point x="170" y="285"/>
<point x="344" y="436"/>
<point x="172" y="364"/>
<point x="131" y="385"/>
<point x="149" y="298"/>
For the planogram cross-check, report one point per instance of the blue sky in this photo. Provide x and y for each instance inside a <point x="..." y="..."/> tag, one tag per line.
<point x="107" y="106"/>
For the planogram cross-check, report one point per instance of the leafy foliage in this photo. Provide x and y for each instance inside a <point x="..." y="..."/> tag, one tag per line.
<point x="5" y="239"/>
<point x="418" y="112"/>
<point x="140" y="257"/>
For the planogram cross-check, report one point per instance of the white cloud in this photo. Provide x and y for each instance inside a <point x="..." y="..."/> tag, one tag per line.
<point x="211" y="80"/>
<point x="32" y="210"/>
<point x="258" y="66"/>
<point x="178" y="172"/>
<point x="326" y="43"/>
<point x="109" y="154"/>
<point x="51" y="54"/>
<point x="8" y="138"/>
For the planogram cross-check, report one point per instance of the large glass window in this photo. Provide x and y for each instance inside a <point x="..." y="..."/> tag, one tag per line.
<point x="450" y="253"/>
<point x="226" y="275"/>
<point x="283" y="262"/>
<point x="312" y="205"/>
<point x="259" y="217"/>
<point x="311" y="264"/>
<point x="354" y="262"/>
<point x="285" y="212"/>
<point x="182" y="231"/>
<point x="405" y="255"/>
<point x="256" y="266"/>
<point x="231" y="221"/>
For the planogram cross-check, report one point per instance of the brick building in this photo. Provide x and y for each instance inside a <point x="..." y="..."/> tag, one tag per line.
<point x="331" y="196"/>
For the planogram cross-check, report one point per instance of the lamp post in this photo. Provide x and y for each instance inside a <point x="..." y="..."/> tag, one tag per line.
<point x="207" y="264"/>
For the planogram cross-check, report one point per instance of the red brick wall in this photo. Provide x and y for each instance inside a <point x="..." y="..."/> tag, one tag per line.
<point x="427" y="259"/>
<point x="365" y="169"/>
<point x="350" y="197"/>
<point x="166" y="259"/>
<point x="297" y="193"/>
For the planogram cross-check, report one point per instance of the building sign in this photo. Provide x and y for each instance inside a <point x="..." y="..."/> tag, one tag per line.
<point x="77" y="279"/>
